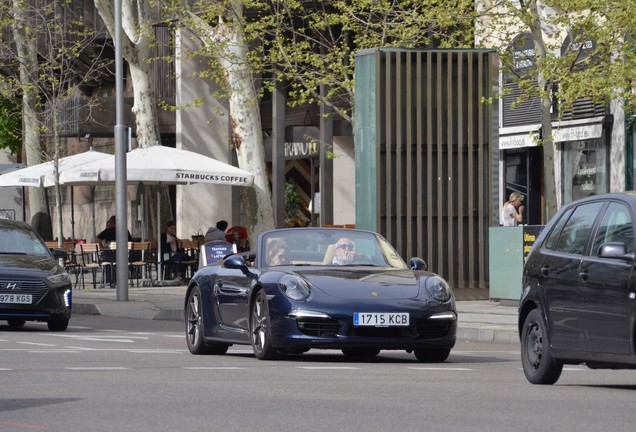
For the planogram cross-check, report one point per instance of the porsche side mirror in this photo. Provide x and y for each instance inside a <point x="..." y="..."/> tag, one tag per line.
<point x="418" y="264"/>
<point x="234" y="262"/>
<point x="237" y="262"/>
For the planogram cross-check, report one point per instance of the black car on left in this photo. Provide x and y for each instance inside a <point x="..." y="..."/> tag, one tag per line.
<point x="33" y="286"/>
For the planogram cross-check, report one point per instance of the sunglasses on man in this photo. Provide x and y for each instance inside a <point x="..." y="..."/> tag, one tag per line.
<point x="347" y="246"/>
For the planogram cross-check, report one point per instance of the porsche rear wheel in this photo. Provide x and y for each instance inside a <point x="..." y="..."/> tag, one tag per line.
<point x="194" y="327"/>
<point x="432" y="355"/>
<point x="260" y="328"/>
<point x="538" y="365"/>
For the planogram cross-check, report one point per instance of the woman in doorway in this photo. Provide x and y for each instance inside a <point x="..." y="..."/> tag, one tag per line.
<point x="512" y="210"/>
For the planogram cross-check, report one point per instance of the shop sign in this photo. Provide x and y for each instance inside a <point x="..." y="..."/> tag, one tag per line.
<point x="578" y="133"/>
<point x="295" y="150"/>
<point x="523" y="52"/>
<point x="583" y="47"/>
<point x="517" y="141"/>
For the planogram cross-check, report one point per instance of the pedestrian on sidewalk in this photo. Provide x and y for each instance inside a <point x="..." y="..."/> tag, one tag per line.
<point x="512" y="210"/>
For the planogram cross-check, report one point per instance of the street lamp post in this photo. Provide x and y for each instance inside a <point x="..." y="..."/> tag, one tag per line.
<point x="121" y="234"/>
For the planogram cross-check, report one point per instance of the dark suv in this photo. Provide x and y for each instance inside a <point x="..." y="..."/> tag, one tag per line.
<point x="578" y="303"/>
<point x="33" y="286"/>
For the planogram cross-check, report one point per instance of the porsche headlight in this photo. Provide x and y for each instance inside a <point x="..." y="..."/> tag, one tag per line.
<point x="438" y="289"/>
<point x="294" y="287"/>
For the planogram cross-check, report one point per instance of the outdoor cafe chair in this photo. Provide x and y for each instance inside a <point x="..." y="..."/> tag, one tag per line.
<point x="139" y="266"/>
<point x="90" y="261"/>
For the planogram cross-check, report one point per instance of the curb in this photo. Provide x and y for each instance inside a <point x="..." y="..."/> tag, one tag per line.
<point x="488" y="334"/>
<point x="85" y="309"/>
<point x="170" y="315"/>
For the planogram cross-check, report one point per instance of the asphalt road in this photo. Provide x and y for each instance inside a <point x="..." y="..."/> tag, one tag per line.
<point x="114" y="374"/>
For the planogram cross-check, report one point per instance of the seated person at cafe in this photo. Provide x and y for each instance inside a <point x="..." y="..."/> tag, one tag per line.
<point x="104" y="239"/>
<point x="172" y="252"/>
<point x="216" y="232"/>
<point x="238" y="235"/>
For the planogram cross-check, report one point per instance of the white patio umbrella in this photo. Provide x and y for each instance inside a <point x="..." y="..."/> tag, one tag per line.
<point x="160" y="165"/>
<point x="43" y="174"/>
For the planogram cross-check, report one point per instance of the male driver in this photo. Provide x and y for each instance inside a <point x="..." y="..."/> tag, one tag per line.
<point x="344" y="251"/>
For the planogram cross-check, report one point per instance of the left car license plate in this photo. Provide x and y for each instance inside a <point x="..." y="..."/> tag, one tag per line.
<point x="380" y="319"/>
<point x="16" y="298"/>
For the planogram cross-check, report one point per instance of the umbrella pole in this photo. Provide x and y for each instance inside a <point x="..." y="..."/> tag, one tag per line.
<point x="72" y="215"/>
<point x="159" y="253"/>
<point x="93" y="213"/>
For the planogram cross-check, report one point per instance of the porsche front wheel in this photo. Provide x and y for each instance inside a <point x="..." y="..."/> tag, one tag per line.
<point x="194" y="327"/>
<point x="260" y="329"/>
<point x="430" y="355"/>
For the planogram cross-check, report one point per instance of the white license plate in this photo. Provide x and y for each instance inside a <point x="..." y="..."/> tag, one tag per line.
<point x="16" y="298"/>
<point x="381" y="319"/>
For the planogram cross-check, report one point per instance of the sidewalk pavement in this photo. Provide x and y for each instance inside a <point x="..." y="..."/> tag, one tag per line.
<point x="478" y="320"/>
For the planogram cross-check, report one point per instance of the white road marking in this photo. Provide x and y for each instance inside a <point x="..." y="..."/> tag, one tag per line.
<point x="440" y="368"/>
<point x="214" y="368"/>
<point x="328" y="367"/>
<point x="38" y="344"/>
<point x="101" y="338"/>
<point x="97" y="368"/>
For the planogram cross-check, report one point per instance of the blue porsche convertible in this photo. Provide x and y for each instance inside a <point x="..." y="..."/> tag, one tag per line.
<point x="319" y="288"/>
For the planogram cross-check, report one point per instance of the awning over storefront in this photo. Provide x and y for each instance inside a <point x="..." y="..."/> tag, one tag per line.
<point x="578" y="130"/>
<point x="518" y="136"/>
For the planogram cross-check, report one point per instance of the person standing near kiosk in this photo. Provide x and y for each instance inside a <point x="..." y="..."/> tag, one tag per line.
<point x="512" y="210"/>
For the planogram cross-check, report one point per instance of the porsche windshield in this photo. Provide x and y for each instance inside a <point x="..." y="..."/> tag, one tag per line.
<point x="327" y="247"/>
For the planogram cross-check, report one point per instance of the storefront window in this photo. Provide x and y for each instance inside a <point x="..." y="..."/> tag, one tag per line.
<point x="584" y="169"/>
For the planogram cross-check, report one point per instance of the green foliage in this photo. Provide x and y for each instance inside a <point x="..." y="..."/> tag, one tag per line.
<point x="306" y="45"/>
<point x="599" y="73"/>
<point x="66" y="53"/>
<point x="10" y="124"/>
<point x="293" y="203"/>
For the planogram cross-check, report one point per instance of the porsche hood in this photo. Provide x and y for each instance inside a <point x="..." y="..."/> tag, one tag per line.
<point x="356" y="283"/>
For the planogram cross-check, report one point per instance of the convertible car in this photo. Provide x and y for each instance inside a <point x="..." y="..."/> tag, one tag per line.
<point x="319" y="288"/>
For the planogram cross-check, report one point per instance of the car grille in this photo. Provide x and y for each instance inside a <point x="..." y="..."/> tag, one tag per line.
<point x="35" y="288"/>
<point x="381" y="332"/>
<point x="421" y="329"/>
<point x="322" y="327"/>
